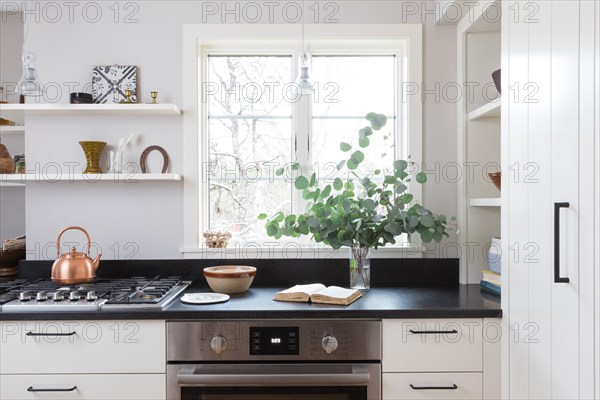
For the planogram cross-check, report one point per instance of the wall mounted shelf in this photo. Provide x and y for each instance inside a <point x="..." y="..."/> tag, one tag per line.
<point x="486" y="202"/>
<point x="11" y="184"/>
<point x="89" y="178"/>
<point x="489" y="110"/>
<point x="93" y="109"/>
<point x="11" y="130"/>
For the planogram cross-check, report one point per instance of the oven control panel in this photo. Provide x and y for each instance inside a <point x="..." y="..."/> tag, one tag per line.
<point x="265" y="340"/>
<point x="274" y="341"/>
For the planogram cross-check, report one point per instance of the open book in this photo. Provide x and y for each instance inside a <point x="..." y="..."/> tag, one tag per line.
<point x="318" y="293"/>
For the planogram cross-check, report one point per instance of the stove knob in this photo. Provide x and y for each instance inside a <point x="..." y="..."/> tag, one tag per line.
<point x="329" y="344"/>
<point x="74" y="295"/>
<point x="218" y="344"/>
<point x="91" y="296"/>
<point x="58" y="296"/>
<point x="25" y="296"/>
<point x="41" y="296"/>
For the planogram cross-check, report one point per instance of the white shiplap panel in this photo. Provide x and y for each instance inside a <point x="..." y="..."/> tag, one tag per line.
<point x="565" y="188"/>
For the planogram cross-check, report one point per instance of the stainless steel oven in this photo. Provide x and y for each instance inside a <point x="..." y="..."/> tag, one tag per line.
<point x="274" y="360"/>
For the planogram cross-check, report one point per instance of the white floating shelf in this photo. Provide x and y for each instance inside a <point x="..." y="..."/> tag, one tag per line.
<point x="11" y="184"/>
<point x="89" y="178"/>
<point x="486" y="202"/>
<point x="11" y="130"/>
<point x="93" y="109"/>
<point x="489" y="110"/>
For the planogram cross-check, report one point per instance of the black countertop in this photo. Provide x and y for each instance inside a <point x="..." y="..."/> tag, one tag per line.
<point x="439" y="301"/>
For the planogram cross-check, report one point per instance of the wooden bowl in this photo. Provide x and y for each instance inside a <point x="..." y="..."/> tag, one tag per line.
<point x="229" y="278"/>
<point x="496" y="178"/>
<point x="9" y="259"/>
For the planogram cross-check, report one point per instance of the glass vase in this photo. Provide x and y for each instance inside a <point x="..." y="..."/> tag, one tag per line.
<point x="360" y="268"/>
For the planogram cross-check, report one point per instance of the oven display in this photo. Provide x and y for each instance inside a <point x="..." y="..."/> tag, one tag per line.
<point x="274" y="341"/>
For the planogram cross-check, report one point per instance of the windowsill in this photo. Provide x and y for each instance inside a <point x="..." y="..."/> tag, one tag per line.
<point x="290" y="250"/>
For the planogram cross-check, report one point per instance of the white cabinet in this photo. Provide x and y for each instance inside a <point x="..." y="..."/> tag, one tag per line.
<point x="100" y="359"/>
<point x="549" y="143"/>
<point x="432" y="345"/>
<point x="441" y="359"/>
<point x="428" y="386"/>
<point x="83" y="387"/>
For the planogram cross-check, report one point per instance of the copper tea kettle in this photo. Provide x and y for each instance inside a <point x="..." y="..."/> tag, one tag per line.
<point x="74" y="267"/>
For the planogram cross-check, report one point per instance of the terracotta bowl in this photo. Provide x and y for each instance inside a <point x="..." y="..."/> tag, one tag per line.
<point x="229" y="279"/>
<point x="496" y="178"/>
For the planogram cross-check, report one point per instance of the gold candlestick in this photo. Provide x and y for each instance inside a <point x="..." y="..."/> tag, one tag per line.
<point x="128" y="94"/>
<point x="154" y="96"/>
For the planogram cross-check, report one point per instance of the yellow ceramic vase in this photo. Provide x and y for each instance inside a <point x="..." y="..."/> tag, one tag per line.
<point x="93" y="152"/>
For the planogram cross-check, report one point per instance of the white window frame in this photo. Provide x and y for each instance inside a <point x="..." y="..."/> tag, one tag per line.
<point x="404" y="40"/>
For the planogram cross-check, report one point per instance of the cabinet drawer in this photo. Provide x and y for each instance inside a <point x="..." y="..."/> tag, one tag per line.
<point x="432" y="345"/>
<point x="33" y="347"/>
<point x="397" y="386"/>
<point x="105" y="387"/>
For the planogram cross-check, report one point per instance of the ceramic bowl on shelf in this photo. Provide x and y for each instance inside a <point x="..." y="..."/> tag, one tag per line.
<point x="496" y="178"/>
<point x="229" y="279"/>
<point x="497" y="77"/>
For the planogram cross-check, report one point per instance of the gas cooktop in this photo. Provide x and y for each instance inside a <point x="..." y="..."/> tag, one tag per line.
<point x="110" y="294"/>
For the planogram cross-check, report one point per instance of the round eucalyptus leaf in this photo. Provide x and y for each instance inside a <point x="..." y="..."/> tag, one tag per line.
<point x="301" y="182"/>
<point x="426" y="236"/>
<point x="338" y="184"/>
<point x="358" y="156"/>
<point x="364" y="142"/>
<point x="272" y="229"/>
<point x="345" y="146"/>
<point x="400" y="165"/>
<point x="428" y="221"/>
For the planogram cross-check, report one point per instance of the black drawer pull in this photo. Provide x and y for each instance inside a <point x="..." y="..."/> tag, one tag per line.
<point x="32" y="389"/>
<point x="453" y="387"/>
<point x="557" y="277"/>
<point x="453" y="331"/>
<point x="50" y="334"/>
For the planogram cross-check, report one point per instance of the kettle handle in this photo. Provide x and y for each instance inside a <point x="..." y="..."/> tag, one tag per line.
<point x="68" y="228"/>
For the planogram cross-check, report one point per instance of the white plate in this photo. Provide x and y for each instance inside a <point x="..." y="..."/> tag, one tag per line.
<point x="204" y="298"/>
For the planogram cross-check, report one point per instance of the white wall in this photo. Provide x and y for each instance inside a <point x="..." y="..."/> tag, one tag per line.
<point x="12" y="199"/>
<point x="149" y="214"/>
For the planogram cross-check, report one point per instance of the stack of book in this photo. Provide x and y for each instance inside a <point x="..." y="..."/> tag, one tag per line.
<point x="491" y="282"/>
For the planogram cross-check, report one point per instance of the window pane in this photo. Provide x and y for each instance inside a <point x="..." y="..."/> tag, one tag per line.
<point x="328" y="133"/>
<point x="244" y="153"/>
<point x="248" y="85"/>
<point x="354" y="85"/>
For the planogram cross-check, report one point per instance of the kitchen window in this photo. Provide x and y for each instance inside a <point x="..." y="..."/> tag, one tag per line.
<point x="253" y="120"/>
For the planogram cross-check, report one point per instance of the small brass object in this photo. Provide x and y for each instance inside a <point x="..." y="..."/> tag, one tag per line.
<point x="128" y="94"/>
<point x="154" y="96"/>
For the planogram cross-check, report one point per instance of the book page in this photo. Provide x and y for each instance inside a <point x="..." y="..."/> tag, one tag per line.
<point x="337" y="292"/>
<point x="298" y="293"/>
<point x="308" y="289"/>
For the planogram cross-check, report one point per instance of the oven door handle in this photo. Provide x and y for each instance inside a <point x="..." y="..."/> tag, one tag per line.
<point x="185" y="378"/>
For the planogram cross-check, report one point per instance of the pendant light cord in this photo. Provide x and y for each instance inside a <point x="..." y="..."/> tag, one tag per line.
<point x="303" y="13"/>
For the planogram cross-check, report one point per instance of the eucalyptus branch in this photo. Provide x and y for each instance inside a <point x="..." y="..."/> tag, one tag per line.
<point x="340" y="216"/>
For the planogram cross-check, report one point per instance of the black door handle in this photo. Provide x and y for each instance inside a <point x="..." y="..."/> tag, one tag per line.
<point x="32" y="389"/>
<point x="453" y="331"/>
<point x="453" y="387"/>
<point x="557" y="277"/>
